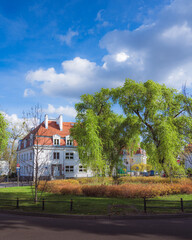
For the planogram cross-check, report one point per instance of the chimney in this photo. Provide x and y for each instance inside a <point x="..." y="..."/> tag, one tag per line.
<point x="46" y="121"/>
<point x="60" y="122"/>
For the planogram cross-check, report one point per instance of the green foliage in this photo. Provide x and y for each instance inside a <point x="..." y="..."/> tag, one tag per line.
<point x="156" y="113"/>
<point x="4" y="135"/>
<point x="101" y="134"/>
<point x="161" y="114"/>
<point x="189" y="171"/>
<point x="136" y="167"/>
<point x="89" y="143"/>
<point x="144" y="167"/>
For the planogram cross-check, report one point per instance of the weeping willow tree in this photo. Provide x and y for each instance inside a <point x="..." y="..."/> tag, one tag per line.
<point x="161" y="115"/>
<point x="156" y="113"/>
<point x="90" y="146"/>
<point x="101" y="134"/>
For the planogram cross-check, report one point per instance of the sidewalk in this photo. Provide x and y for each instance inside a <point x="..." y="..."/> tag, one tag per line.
<point x="111" y="217"/>
<point x="13" y="184"/>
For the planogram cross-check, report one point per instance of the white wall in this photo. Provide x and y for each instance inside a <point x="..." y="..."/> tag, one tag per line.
<point x="4" y="167"/>
<point x="136" y="159"/>
<point x="46" y="160"/>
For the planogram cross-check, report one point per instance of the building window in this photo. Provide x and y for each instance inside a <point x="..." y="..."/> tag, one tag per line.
<point x="69" y="142"/>
<point x="31" y="154"/>
<point x="31" y="139"/>
<point x="25" y="143"/>
<point x="69" y="155"/>
<point x="125" y="161"/>
<point x="20" y="141"/>
<point x="82" y="169"/>
<point x="69" y="168"/>
<point x="56" y="155"/>
<point x="56" y="142"/>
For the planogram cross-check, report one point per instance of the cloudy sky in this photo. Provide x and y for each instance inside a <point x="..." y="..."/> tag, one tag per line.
<point x="51" y="52"/>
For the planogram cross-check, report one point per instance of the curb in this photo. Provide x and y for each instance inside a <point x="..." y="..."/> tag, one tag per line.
<point x="99" y="217"/>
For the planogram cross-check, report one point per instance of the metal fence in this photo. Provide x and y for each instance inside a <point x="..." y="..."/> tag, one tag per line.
<point x="82" y="207"/>
<point x="40" y="205"/>
<point x="167" y="205"/>
<point x="151" y="206"/>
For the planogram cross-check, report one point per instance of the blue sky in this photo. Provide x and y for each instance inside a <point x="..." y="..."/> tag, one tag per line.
<point x="51" y="52"/>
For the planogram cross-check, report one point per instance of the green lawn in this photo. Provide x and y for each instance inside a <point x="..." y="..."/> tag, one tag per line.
<point x="89" y="205"/>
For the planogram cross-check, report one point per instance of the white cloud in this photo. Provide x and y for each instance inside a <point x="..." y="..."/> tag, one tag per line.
<point x="180" y="76"/>
<point x="156" y="50"/>
<point x="68" y="37"/>
<point x="28" y="92"/>
<point x="100" y="19"/>
<point x="178" y="32"/>
<point x="79" y="75"/>
<point x="12" y="119"/>
<point x="160" y="50"/>
<point x="121" y="57"/>
<point x="99" y="15"/>
<point x="67" y="111"/>
<point x="15" y="124"/>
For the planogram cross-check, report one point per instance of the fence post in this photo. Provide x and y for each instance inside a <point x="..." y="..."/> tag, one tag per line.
<point x="182" y="209"/>
<point x="17" y="202"/>
<point x="145" y="205"/>
<point x="43" y="204"/>
<point x="71" y="205"/>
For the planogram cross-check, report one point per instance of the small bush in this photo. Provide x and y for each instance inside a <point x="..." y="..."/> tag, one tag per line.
<point x="128" y="179"/>
<point x="56" y="186"/>
<point x="94" y="190"/>
<point x="126" y="190"/>
<point x="71" y="189"/>
<point x="96" y="180"/>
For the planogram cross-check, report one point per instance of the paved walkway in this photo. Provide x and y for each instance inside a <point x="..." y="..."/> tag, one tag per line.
<point x="46" y="228"/>
<point x="13" y="184"/>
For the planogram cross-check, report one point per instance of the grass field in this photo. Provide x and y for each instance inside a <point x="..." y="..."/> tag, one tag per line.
<point x="61" y="204"/>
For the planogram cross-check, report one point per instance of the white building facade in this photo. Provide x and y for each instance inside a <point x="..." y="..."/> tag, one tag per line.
<point x="49" y="151"/>
<point x="129" y="161"/>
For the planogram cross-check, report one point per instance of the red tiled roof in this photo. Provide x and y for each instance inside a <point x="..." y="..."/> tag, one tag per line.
<point x="44" y="135"/>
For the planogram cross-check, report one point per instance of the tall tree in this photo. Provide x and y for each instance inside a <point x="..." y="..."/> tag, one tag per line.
<point x="161" y="116"/>
<point x="101" y="134"/>
<point x="33" y="121"/>
<point x="16" y="132"/>
<point x="4" y="135"/>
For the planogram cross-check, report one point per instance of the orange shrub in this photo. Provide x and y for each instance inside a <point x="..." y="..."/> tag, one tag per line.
<point x="135" y="190"/>
<point x="56" y="186"/>
<point x="71" y="189"/>
<point x="155" y="179"/>
<point x="94" y="190"/>
<point x="96" y="180"/>
<point x="128" y="190"/>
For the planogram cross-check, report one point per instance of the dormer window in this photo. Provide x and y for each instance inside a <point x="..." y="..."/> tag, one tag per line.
<point x="31" y="139"/>
<point x="56" y="140"/>
<point x="25" y="143"/>
<point x="69" y="141"/>
<point x="20" y="141"/>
